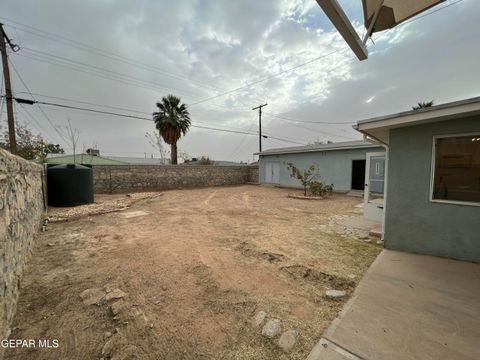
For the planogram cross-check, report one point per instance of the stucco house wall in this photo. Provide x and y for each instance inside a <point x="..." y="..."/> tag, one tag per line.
<point x="333" y="166"/>
<point x="412" y="222"/>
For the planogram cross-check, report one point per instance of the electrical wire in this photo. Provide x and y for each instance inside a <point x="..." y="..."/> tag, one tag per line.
<point x="108" y="54"/>
<point x="146" y="119"/>
<point x="40" y="108"/>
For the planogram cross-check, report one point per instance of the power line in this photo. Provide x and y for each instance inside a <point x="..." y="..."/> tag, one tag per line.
<point x="320" y="131"/>
<point x="268" y="77"/>
<point x="311" y="122"/>
<point x="101" y="52"/>
<point x="41" y="110"/>
<point x="26" y="101"/>
<point x="112" y="107"/>
<point x="106" y="74"/>
<point x="103" y="70"/>
<point x="33" y="120"/>
<point x="200" y="101"/>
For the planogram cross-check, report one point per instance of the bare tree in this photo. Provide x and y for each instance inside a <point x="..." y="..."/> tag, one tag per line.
<point x="155" y="140"/>
<point x="72" y="134"/>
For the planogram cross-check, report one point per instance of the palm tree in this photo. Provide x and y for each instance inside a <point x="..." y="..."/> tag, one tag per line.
<point x="172" y="120"/>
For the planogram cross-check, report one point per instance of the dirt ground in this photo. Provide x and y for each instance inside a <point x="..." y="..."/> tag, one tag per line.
<point x="182" y="275"/>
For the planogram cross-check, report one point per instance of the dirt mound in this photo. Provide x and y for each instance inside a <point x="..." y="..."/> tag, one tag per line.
<point x="318" y="278"/>
<point x="248" y="250"/>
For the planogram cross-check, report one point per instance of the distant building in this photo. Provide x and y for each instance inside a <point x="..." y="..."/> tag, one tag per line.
<point x="93" y="157"/>
<point x="341" y="164"/>
<point x="83" y="159"/>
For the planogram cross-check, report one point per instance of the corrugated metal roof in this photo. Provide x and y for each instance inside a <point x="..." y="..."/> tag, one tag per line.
<point x="345" y="145"/>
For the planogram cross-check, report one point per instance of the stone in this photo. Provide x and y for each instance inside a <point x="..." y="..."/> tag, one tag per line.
<point x="259" y="318"/>
<point x="107" y="348"/>
<point x="107" y="335"/>
<point x="362" y="236"/>
<point x="335" y="294"/>
<point x="21" y="215"/>
<point x="132" y="214"/>
<point x="92" y="296"/>
<point x="115" y="294"/>
<point x="288" y="340"/>
<point x="272" y="328"/>
<point x="117" y="307"/>
<point x="367" y="240"/>
<point x="379" y="242"/>
<point x="352" y="276"/>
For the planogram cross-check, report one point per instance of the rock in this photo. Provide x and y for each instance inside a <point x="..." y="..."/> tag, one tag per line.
<point x="351" y="276"/>
<point x="335" y="294"/>
<point x="259" y="318"/>
<point x="117" y="307"/>
<point x="92" y="296"/>
<point x="288" y="340"/>
<point x="367" y="240"/>
<point x="107" y="348"/>
<point x="272" y="328"/>
<point x="107" y="335"/>
<point x="362" y="236"/>
<point x="379" y="242"/>
<point x="115" y="294"/>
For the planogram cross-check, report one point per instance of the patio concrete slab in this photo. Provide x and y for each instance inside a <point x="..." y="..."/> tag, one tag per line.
<point x="408" y="307"/>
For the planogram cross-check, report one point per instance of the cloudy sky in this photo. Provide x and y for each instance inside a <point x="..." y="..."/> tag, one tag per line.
<point x="223" y="58"/>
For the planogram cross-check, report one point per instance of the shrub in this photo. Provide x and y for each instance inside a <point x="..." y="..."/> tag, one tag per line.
<point x="318" y="188"/>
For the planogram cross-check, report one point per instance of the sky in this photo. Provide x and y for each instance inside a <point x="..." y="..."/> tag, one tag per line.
<point x="222" y="58"/>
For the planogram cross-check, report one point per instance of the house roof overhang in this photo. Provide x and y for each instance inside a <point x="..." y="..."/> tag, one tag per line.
<point x="378" y="128"/>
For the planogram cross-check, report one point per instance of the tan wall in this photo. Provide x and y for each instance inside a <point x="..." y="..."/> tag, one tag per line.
<point x="130" y="178"/>
<point x="21" y="212"/>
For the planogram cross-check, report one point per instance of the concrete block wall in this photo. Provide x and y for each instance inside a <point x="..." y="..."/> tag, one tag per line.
<point x="253" y="174"/>
<point x="21" y="213"/>
<point x="131" y="178"/>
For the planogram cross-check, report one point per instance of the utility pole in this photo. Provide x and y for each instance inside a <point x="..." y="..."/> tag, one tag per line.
<point x="8" y="87"/>
<point x="259" y="125"/>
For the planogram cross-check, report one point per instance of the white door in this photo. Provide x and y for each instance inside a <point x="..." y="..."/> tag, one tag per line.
<point x="374" y="187"/>
<point x="272" y="173"/>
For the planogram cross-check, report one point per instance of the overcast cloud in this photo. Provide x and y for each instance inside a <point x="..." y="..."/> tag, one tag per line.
<point x="197" y="49"/>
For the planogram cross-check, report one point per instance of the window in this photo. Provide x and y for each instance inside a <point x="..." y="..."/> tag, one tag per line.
<point x="456" y="170"/>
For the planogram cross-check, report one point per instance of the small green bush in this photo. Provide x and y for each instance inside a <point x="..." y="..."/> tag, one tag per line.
<point x="318" y="188"/>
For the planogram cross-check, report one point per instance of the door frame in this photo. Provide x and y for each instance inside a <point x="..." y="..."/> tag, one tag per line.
<point x="351" y="175"/>
<point x="367" y="207"/>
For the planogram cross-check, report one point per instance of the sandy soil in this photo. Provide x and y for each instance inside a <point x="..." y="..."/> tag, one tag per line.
<point x="196" y="266"/>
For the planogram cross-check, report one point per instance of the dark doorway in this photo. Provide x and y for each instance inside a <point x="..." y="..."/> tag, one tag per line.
<point x="358" y="174"/>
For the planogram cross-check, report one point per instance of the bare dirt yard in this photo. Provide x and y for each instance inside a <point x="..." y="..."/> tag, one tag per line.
<point x="182" y="275"/>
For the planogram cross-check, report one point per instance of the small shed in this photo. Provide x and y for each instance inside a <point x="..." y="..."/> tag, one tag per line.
<point x="432" y="196"/>
<point x="342" y="164"/>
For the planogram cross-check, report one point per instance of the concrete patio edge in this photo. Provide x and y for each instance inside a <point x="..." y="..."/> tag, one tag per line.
<point x="326" y="345"/>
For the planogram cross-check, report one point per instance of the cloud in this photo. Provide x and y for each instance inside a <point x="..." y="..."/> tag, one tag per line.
<point x="198" y="49"/>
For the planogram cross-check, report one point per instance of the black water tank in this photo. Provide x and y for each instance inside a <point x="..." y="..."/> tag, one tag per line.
<point x="69" y="185"/>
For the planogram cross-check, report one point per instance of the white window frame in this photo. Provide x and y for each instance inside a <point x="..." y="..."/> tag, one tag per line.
<point x="432" y="171"/>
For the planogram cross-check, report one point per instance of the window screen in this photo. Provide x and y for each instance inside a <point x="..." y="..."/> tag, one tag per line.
<point x="457" y="169"/>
